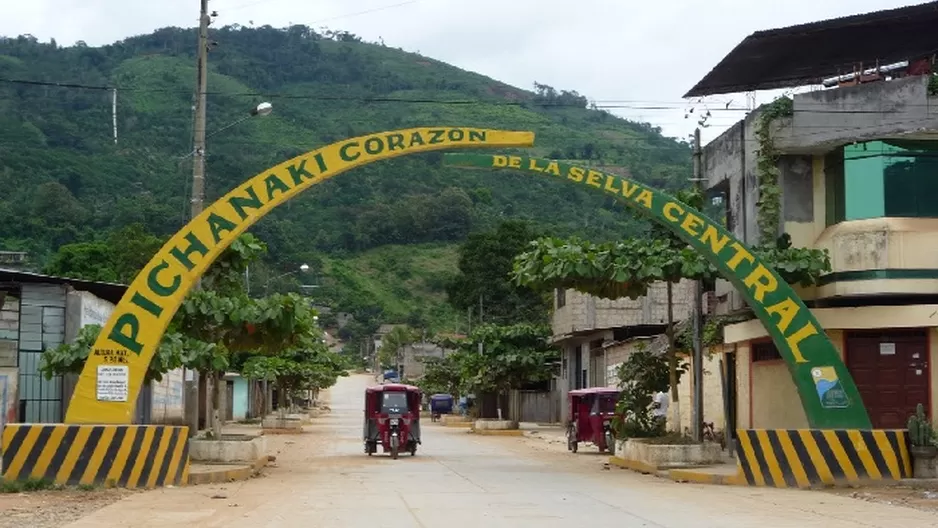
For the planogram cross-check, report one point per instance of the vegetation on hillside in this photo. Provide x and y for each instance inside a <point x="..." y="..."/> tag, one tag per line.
<point x="66" y="181"/>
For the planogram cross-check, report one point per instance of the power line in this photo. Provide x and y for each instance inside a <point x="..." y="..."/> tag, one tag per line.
<point x="614" y="104"/>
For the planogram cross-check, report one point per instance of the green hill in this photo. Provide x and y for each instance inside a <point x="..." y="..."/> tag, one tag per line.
<point x="65" y="180"/>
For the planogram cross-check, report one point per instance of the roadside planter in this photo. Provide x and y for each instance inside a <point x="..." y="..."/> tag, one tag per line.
<point x="494" y="425"/>
<point x="923" y="445"/>
<point x="290" y="422"/>
<point x="230" y="448"/>
<point x="669" y="456"/>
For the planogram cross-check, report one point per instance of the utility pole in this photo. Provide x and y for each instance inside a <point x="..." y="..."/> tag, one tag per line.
<point x="697" y="415"/>
<point x="198" y="189"/>
<point x="198" y="147"/>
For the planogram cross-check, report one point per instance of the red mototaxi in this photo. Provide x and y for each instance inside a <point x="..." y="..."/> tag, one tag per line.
<point x="591" y="413"/>
<point x="392" y="418"/>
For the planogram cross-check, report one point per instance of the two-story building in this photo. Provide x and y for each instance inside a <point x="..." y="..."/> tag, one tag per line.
<point x="859" y="178"/>
<point x="596" y="335"/>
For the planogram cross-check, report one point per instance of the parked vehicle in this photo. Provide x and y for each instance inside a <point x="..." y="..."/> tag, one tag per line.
<point x="440" y="404"/>
<point x="392" y="418"/>
<point x="591" y="412"/>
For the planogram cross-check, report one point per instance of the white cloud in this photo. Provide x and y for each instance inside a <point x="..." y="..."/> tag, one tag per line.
<point x="621" y="50"/>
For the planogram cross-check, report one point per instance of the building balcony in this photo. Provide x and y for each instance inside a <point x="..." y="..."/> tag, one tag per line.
<point x="826" y="119"/>
<point x="891" y="256"/>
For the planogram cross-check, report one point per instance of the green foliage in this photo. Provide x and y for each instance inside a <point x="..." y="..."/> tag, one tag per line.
<point x="485" y="265"/>
<point x="512" y="356"/>
<point x="309" y="366"/>
<point x="118" y="257"/>
<point x="614" y="270"/>
<point x="921" y="433"/>
<point x="66" y="182"/>
<point x="441" y="376"/>
<point x="69" y="358"/>
<point x="933" y="84"/>
<point x="640" y="376"/>
<point x="769" y="204"/>
<point x="393" y="342"/>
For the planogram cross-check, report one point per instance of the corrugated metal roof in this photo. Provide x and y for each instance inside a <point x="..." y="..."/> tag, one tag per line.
<point x="105" y="290"/>
<point x="808" y="53"/>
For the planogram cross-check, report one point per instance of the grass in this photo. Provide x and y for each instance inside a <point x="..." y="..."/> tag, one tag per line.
<point x="668" y="439"/>
<point x="30" y="484"/>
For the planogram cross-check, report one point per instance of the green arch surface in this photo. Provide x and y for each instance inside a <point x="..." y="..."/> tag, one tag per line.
<point x="827" y="392"/>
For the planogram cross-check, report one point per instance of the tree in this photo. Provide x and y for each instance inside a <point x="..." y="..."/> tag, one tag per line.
<point x="629" y="267"/>
<point x="511" y="357"/>
<point x="70" y="358"/>
<point x="441" y="375"/>
<point x="640" y="376"/>
<point x="308" y="366"/>
<point x="392" y="343"/>
<point x="485" y="265"/>
<point x="117" y="258"/>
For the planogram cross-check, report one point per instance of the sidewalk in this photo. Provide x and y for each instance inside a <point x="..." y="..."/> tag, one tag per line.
<point x="554" y="436"/>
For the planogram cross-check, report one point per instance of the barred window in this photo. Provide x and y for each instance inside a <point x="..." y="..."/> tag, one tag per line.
<point x="765" y="351"/>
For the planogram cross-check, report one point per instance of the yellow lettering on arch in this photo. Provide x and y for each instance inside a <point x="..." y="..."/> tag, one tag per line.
<point x="786" y="311"/>
<point x="644" y="198"/>
<point x="714" y="238"/>
<point x="671" y="210"/>
<point x="761" y="281"/>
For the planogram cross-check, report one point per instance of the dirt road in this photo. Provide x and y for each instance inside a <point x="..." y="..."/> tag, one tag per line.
<point x="324" y="480"/>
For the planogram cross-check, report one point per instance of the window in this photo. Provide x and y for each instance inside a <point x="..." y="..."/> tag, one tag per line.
<point x="875" y="179"/>
<point x="561" y="297"/>
<point x="717" y="204"/>
<point x="765" y="351"/>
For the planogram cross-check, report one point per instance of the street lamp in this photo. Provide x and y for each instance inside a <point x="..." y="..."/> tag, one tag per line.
<point x="261" y="110"/>
<point x="303" y="268"/>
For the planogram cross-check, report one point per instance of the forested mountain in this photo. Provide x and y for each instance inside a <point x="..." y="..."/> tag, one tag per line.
<point x="64" y="179"/>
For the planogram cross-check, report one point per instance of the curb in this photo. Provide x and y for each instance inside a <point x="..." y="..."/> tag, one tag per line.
<point x="497" y="432"/>
<point x="228" y="475"/>
<point x="700" y="477"/>
<point x="458" y="424"/>
<point x="679" y="475"/>
<point x="634" y="465"/>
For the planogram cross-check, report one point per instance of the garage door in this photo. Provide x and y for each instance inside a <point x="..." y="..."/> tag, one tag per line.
<point x="891" y="372"/>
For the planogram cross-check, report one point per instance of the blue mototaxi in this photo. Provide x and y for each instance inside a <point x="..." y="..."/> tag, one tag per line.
<point x="440" y="404"/>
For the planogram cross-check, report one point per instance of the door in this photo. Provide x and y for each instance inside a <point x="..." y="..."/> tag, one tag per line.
<point x="891" y="373"/>
<point x="229" y="400"/>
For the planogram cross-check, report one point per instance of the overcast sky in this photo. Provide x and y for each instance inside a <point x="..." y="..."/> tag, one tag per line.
<point x="630" y="53"/>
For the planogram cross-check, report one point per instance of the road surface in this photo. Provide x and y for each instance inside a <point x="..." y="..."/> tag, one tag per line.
<point x="459" y="480"/>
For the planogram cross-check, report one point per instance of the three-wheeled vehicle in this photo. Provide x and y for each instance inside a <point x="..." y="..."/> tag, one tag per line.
<point x="440" y="404"/>
<point x="591" y="413"/>
<point x="392" y="418"/>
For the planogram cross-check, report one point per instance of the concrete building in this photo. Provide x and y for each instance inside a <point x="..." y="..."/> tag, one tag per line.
<point x="859" y="178"/>
<point x="595" y="335"/>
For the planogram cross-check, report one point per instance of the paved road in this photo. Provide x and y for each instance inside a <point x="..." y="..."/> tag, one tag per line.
<point x="458" y="480"/>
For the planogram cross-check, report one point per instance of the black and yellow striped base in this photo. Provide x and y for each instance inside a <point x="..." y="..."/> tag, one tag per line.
<point x="128" y="456"/>
<point x="803" y="458"/>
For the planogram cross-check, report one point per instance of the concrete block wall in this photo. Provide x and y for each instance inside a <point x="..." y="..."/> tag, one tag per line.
<point x="584" y="312"/>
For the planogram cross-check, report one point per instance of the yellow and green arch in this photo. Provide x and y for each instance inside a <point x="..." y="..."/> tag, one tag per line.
<point x="113" y="375"/>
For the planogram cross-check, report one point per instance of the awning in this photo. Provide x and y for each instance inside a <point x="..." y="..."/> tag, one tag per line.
<point x="808" y="53"/>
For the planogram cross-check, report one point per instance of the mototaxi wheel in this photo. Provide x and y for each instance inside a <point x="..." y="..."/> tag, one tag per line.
<point x="611" y="443"/>
<point x="395" y="447"/>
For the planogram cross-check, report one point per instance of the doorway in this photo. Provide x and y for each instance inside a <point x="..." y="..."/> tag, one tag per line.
<point x="890" y="368"/>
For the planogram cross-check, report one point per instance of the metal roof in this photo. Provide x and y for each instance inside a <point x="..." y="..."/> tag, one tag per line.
<point x="805" y="54"/>
<point x="108" y="291"/>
